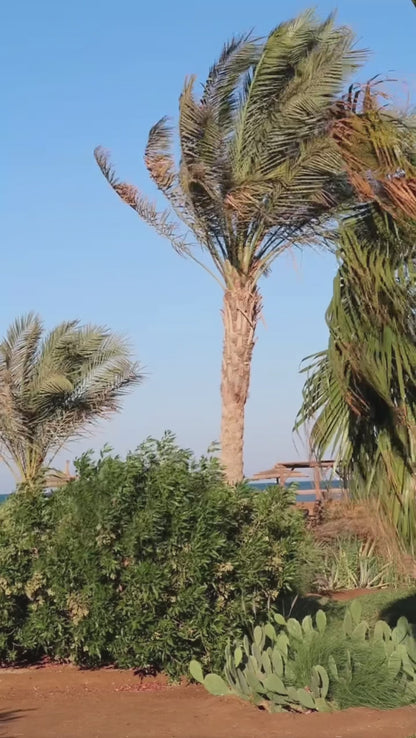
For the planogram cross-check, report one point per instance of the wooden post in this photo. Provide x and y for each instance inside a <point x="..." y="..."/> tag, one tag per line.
<point x="317" y="481"/>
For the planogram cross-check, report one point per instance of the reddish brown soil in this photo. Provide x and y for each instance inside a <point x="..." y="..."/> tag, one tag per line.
<point x="63" y="702"/>
<point x="344" y="595"/>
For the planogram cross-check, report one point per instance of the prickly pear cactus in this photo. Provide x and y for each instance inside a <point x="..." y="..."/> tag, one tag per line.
<point x="398" y="643"/>
<point x="262" y="670"/>
<point x="212" y="682"/>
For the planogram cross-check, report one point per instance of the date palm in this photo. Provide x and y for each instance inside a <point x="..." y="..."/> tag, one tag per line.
<point x="54" y="386"/>
<point x="258" y="172"/>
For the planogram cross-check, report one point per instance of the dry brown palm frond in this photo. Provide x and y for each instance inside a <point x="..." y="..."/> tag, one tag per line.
<point x="378" y="148"/>
<point x="130" y="194"/>
<point x="158" y="159"/>
<point x="402" y="193"/>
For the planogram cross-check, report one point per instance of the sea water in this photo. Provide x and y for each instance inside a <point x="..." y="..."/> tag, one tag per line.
<point x="331" y="485"/>
<point x="305" y="485"/>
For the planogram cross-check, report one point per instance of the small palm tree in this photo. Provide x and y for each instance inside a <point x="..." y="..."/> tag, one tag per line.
<point x="360" y="394"/>
<point x="53" y="387"/>
<point x="258" y="172"/>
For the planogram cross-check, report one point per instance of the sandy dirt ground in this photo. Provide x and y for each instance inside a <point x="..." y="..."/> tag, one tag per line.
<point x="64" y="702"/>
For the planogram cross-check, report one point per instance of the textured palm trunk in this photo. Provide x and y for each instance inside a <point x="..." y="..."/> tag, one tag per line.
<point x="241" y="311"/>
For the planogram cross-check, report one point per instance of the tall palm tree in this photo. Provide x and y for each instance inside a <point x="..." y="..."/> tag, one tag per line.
<point x="54" y="386"/>
<point x="258" y="172"/>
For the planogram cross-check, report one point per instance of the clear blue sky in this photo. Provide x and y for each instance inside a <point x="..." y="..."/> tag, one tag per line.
<point x="84" y="73"/>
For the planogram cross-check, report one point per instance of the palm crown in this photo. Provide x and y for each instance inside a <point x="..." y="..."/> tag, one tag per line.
<point x="52" y="387"/>
<point x="256" y="165"/>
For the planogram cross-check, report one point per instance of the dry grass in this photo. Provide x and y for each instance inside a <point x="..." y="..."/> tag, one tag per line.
<point x="347" y="519"/>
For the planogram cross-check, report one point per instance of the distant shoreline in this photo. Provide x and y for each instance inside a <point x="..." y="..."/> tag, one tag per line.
<point x="304" y="485"/>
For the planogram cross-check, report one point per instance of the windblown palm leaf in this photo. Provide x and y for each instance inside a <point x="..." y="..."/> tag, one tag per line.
<point x="256" y="163"/>
<point x="361" y="393"/>
<point x="378" y="148"/>
<point x="52" y="388"/>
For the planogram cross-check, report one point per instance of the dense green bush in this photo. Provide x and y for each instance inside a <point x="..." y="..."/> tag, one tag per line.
<point x="143" y="562"/>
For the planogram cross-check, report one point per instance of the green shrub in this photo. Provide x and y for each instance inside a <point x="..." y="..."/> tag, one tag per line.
<point x="143" y="562"/>
<point x="292" y="665"/>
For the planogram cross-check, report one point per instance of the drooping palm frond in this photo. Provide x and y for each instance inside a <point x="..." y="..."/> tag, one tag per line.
<point x="378" y="147"/>
<point x="360" y="394"/>
<point x="160" y="221"/>
<point x="257" y="168"/>
<point x="53" y="387"/>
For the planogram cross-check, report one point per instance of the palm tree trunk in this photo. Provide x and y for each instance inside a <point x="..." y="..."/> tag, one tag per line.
<point x="241" y="311"/>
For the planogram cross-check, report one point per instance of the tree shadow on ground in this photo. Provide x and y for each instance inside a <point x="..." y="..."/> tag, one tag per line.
<point x="403" y="606"/>
<point x="298" y="606"/>
<point x="7" y="717"/>
<point x="301" y="605"/>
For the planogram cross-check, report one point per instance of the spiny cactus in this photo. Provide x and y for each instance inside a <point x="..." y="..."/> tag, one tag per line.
<point x="265" y="675"/>
<point x="263" y="670"/>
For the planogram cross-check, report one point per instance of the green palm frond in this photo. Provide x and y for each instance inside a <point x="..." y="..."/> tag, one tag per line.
<point x="258" y="171"/>
<point x="302" y="69"/>
<point x="53" y="387"/>
<point x="226" y="79"/>
<point x="18" y="350"/>
<point x="360" y="394"/>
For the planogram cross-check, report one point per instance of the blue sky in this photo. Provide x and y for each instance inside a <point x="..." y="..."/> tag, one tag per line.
<point x="85" y="73"/>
